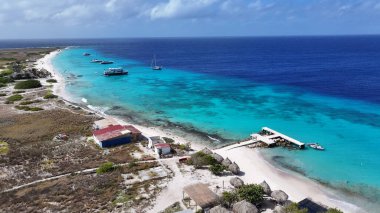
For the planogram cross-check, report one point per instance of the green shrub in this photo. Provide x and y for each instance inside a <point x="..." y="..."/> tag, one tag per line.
<point x="27" y="108"/>
<point x="294" y="208"/>
<point x="18" y="92"/>
<point x="28" y="84"/>
<point x="217" y="169"/>
<point x="14" y="98"/>
<point x="168" y="140"/>
<point x="3" y="94"/>
<point x="29" y="102"/>
<point x="200" y="159"/>
<point x="229" y="198"/>
<point x="51" y="81"/>
<point x="333" y="210"/>
<point x="6" y="72"/>
<point x="50" y="96"/>
<point x="4" y="148"/>
<point x="3" y="85"/>
<point x="252" y="193"/>
<point x="105" y="167"/>
<point x="5" y="80"/>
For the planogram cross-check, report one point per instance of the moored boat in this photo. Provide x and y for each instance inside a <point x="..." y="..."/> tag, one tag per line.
<point x="86" y="54"/>
<point x="106" y="62"/>
<point x="115" y="71"/>
<point x="316" y="146"/>
<point x="154" y="64"/>
<point x="96" y="61"/>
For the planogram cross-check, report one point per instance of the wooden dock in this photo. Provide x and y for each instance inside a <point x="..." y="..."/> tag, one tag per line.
<point x="270" y="138"/>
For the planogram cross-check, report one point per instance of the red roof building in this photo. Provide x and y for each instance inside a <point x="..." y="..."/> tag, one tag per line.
<point x="116" y="135"/>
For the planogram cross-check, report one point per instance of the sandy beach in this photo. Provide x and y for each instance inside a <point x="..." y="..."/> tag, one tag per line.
<point x="256" y="169"/>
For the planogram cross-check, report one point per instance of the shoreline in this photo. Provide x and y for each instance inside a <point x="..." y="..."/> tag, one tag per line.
<point x="255" y="166"/>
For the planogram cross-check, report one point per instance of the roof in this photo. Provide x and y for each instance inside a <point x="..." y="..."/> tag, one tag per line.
<point x="132" y="129"/>
<point x="161" y="145"/>
<point x="111" y="132"/>
<point x="311" y="206"/>
<point x="105" y="123"/>
<point x="201" y="195"/>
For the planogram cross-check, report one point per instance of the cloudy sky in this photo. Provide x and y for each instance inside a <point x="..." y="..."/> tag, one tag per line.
<point x="157" y="18"/>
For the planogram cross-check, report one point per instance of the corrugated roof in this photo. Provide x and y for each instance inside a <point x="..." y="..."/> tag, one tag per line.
<point x="201" y="195"/>
<point x="108" y="129"/>
<point x="132" y="129"/>
<point x="162" y="145"/>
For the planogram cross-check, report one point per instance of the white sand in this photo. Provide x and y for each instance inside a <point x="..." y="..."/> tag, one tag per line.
<point x="255" y="167"/>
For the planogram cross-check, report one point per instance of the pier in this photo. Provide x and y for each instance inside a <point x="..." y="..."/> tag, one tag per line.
<point x="271" y="137"/>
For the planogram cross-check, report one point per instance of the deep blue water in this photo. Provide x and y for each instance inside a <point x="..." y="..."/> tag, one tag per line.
<point x="316" y="89"/>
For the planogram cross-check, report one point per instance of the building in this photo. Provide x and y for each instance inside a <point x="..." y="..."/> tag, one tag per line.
<point x="162" y="148"/>
<point x="114" y="135"/>
<point x="103" y="123"/>
<point x="154" y="140"/>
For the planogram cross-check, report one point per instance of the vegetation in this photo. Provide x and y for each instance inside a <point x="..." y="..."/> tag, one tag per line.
<point x="217" y="169"/>
<point x="200" y="159"/>
<point x="18" y="92"/>
<point x="229" y="198"/>
<point x="3" y="85"/>
<point x="5" y="80"/>
<point x="6" y="72"/>
<point x="28" y="84"/>
<point x="168" y="140"/>
<point x="50" y="96"/>
<point x="4" y="148"/>
<point x="14" y="98"/>
<point x="175" y="207"/>
<point x="106" y="167"/>
<point x="294" y="208"/>
<point x="51" y="81"/>
<point x="27" y="108"/>
<point x="252" y="193"/>
<point x="29" y="102"/>
<point x="333" y="210"/>
<point x="3" y="94"/>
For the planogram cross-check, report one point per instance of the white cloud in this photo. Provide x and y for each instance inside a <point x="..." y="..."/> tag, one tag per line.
<point x="182" y="9"/>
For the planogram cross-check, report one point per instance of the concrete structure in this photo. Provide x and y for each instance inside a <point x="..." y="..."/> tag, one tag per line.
<point x="269" y="139"/>
<point x="114" y="135"/>
<point x="154" y="140"/>
<point x="106" y="122"/>
<point x="162" y="149"/>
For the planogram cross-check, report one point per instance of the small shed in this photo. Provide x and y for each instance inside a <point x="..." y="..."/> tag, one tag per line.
<point x="200" y="195"/>
<point x="162" y="149"/>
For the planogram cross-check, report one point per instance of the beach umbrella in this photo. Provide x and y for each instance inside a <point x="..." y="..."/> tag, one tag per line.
<point x="236" y="182"/>
<point x="279" y="209"/>
<point x="207" y="151"/>
<point x="217" y="157"/>
<point x="226" y="162"/>
<point x="244" y="207"/>
<point x="266" y="187"/>
<point x="234" y="168"/>
<point x="280" y="196"/>
<point x="219" y="209"/>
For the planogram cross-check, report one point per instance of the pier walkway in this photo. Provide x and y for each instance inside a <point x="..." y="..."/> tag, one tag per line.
<point x="269" y="139"/>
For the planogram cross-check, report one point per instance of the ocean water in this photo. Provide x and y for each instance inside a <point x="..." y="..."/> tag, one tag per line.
<point x="315" y="89"/>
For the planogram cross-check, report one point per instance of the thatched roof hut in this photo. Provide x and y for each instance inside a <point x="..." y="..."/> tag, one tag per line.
<point x="234" y="168"/>
<point x="206" y="151"/>
<point x="219" y="209"/>
<point x="266" y="188"/>
<point x="217" y="157"/>
<point x="279" y="209"/>
<point x="279" y="195"/>
<point x="226" y="162"/>
<point x="244" y="207"/>
<point x="236" y="182"/>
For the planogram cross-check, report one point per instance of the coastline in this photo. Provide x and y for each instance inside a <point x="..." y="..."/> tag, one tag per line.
<point x="251" y="162"/>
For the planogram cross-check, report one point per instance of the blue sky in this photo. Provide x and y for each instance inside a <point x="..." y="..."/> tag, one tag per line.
<point x="157" y="18"/>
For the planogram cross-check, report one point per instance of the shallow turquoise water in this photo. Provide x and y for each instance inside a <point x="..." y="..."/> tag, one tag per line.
<point x="234" y="108"/>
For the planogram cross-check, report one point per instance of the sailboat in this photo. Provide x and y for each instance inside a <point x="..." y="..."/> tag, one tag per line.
<point x="154" y="64"/>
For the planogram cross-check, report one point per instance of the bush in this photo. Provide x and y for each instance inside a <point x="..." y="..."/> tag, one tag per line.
<point x="14" y="98"/>
<point x="333" y="210"/>
<point x="28" y="84"/>
<point x="3" y="85"/>
<point x="51" y="81"/>
<point x="168" y="140"/>
<point x="6" y="72"/>
<point x="200" y="159"/>
<point x="294" y="208"/>
<point x="217" y="169"/>
<point x="229" y="198"/>
<point x="50" y="96"/>
<point x="3" y="94"/>
<point x="29" y="102"/>
<point x="5" y="80"/>
<point x="105" y="167"/>
<point x="18" y="92"/>
<point x="27" y="108"/>
<point x="252" y="193"/>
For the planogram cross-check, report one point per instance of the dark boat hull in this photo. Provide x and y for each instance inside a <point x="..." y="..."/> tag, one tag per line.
<point x="111" y="74"/>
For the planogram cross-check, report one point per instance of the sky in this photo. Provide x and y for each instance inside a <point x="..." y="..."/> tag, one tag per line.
<point x="189" y="18"/>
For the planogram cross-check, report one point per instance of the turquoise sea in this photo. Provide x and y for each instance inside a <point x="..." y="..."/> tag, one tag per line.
<point x="230" y="108"/>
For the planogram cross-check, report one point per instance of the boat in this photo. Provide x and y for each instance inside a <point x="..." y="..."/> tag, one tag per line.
<point x="316" y="146"/>
<point x="96" y="61"/>
<point x="86" y="54"/>
<point x="106" y="62"/>
<point x="154" y="64"/>
<point x="115" y="71"/>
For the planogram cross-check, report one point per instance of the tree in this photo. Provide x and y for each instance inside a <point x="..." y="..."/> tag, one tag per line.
<point x="294" y="208"/>
<point x="252" y="193"/>
<point x="229" y="198"/>
<point x="217" y="169"/>
<point x="333" y="210"/>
